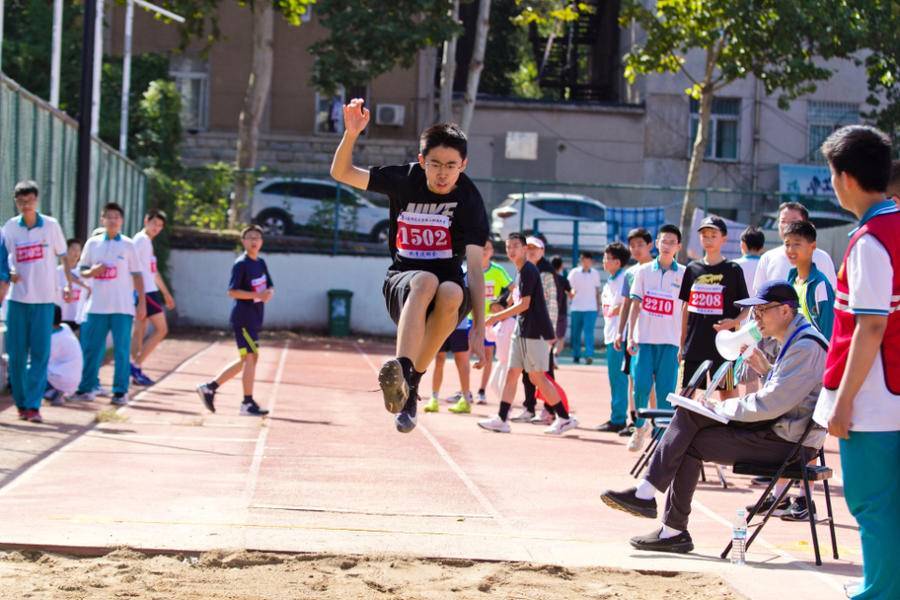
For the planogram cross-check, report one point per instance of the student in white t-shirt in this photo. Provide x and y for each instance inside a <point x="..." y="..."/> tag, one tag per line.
<point x="774" y="264"/>
<point x="615" y="257"/>
<point x="34" y="244"/>
<point x="158" y="296"/>
<point x="860" y="400"/>
<point x="585" y="282"/>
<point x="752" y="243"/>
<point x="110" y="260"/>
<point x="72" y="306"/>
<point x="66" y="361"/>
<point x="654" y="333"/>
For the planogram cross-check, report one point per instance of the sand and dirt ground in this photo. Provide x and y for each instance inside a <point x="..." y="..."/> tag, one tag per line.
<point x="240" y="575"/>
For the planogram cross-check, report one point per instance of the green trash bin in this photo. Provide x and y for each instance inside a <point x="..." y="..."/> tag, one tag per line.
<point x="339" y="312"/>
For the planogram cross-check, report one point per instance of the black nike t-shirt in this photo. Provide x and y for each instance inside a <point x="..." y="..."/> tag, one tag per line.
<point x="534" y="323"/>
<point x="709" y="292"/>
<point x="428" y="231"/>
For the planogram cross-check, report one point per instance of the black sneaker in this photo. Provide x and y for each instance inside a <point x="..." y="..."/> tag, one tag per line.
<point x="610" y="427"/>
<point x="405" y="422"/>
<point x="628" y="501"/>
<point x="627" y="430"/>
<point x="679" y="544"/>
<point x="589" y="361"/>
<point x="799" y="511"/>
<point x="207" y="396"/>
<point x="576" y="360"/>
<point x="782" y="507"/>
<point x="252" y="409"/>
<point x="393" y="385"/>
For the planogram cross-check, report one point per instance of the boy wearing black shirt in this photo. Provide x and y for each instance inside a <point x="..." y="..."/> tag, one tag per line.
<point x="709" y="290"/>
<point x="530" y="344"/>
<point x="437" y="217"/>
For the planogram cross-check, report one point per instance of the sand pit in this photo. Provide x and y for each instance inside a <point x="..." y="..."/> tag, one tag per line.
<point x="240" y="575"/>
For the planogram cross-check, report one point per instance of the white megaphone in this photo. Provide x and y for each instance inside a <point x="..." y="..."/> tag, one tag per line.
<point x="729" y="343"/>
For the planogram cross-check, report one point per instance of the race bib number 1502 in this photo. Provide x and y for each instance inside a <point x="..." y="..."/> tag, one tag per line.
<point x="424" y="237"/>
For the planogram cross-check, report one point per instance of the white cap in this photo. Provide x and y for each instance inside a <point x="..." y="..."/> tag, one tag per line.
<point x="534" y="241"/>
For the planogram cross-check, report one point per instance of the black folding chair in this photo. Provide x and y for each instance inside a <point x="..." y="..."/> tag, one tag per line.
<point x="660" y="419"/>
<point x="795" y="468"/>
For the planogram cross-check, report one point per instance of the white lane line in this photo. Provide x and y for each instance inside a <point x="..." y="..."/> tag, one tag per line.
<point x="259" y="450"/>
<point x="38" y="466"/>
<point x="483" y="500"/>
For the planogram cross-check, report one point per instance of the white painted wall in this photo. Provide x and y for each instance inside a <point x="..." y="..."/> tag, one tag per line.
<point x="302" y="281"/>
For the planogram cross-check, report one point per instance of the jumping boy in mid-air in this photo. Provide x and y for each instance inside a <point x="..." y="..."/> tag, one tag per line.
<point x="437" y="217"/>
<point x="251" y="287"/>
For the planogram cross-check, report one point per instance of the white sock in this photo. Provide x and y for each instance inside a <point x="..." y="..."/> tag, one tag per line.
<point x="645" y="490"/>
<point x="667" y="532"/>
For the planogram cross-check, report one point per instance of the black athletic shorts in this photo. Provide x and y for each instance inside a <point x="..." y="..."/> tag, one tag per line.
<point x="155" y="303"/>
<point x="396" y="290"/>
<point x="457" y="342"/>
<point x="691" y="366"/>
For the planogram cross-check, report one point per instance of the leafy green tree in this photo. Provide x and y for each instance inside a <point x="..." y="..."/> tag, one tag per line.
<point x="882" y="62"/>
<point x="370" y="37"/>
<point x="202" y="24"/>
<point x="781" y="42"/>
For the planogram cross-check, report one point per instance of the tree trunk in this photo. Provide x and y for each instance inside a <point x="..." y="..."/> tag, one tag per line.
<point x="477" y="64"/>
<point x="253" y="107"/>
<point x="698" y="151"/>
<point x="448" y="73"/>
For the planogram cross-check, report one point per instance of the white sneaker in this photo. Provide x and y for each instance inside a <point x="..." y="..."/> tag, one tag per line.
<point x="481" y="398"/>
<point x="102" y="392"/>
<point x="495" y="423"/>
<point x="545" y="418"/>
<point x="83" y="397"/>
<point x="453" y="398"/>
<point x="560" y="426"/>
<point x="637" y="439"/>
<point x="523" y="417"/>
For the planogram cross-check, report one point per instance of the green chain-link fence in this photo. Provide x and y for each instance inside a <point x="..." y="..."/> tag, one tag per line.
<point x="40" y="143"/>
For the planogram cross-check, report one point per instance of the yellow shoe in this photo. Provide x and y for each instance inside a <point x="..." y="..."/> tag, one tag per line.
<point x="461" y="407"/>
<point x="432" y="405"/>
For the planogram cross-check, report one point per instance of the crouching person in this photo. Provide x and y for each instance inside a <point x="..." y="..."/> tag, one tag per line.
<point x="764" y="426"/>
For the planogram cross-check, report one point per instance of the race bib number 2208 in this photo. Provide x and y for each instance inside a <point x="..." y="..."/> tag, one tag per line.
<point x="424" y="237"/>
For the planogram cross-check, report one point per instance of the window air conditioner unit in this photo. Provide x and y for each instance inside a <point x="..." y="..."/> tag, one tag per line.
<point x="390" y="115"/>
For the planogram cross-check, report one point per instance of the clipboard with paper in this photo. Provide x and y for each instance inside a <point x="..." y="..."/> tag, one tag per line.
<point x="699" y="407"/>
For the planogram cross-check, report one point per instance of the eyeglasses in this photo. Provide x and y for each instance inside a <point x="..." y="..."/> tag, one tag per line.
<point x="757" y="311"/>
<point x="451" y="167"/>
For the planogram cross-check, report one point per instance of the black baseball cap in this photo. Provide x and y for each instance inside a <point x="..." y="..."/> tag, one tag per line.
<point x="772" y="291"/>
<point x="715" y="222"/>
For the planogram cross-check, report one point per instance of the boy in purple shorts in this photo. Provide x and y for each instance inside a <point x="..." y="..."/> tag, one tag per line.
<point x="251" y="287"/>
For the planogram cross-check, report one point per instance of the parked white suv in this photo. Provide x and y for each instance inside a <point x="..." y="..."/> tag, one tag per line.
<point x="283" y="205"/>
<point x="556" y="213"/>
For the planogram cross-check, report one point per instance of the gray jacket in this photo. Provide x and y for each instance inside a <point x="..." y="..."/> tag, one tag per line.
<point x="790" y="393"/>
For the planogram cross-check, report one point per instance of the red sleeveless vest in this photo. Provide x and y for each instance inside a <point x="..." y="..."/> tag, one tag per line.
<point x="886" y="229"/>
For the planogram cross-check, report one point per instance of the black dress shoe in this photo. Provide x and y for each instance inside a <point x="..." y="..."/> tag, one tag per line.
<point x="404" y="422"/>
<point x="628" y="501"/>
<point x="679" y="544"/>
<point x="610" y="427"/>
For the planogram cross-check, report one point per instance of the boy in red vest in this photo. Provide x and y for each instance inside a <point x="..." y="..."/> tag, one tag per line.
<point x="860" y="400"/>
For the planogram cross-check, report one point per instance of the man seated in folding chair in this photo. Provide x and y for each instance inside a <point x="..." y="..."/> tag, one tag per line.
<point x="764" y="427"/>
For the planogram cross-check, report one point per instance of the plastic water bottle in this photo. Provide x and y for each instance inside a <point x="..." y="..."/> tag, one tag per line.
<point x="739" y="537"/>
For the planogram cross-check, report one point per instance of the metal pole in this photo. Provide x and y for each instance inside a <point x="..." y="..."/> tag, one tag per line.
<point x="98" y="68"/>
<point x="83" y="178"/>
<point x="337" y="221"/>
<point x="56" y="57"/>
<point x="126" y="77"/>
<point x="2" y="10"/>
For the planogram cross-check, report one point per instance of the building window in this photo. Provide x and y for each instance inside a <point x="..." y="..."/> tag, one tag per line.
<point x="191" y="77"/>
<point x="724" y="128"/>
<point x="329" y="110"/>
<point x="824" y="118"/>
